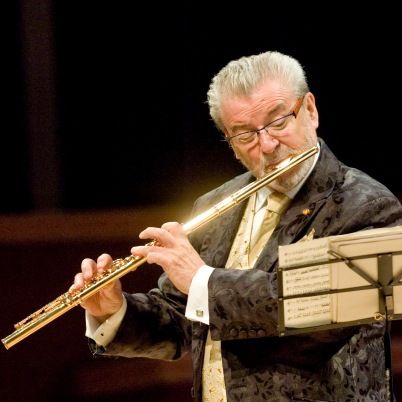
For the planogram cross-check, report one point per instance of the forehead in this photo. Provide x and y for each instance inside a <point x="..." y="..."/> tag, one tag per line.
<point x="263" y="98"/>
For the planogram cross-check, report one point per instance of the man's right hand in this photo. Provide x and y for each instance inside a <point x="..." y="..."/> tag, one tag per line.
<point x="109" y="299"/>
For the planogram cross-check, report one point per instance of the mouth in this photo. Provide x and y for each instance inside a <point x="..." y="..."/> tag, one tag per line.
<point x="278" y="164"/>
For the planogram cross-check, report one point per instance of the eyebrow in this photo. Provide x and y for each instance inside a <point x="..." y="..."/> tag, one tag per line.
<point x="279" y="107"/>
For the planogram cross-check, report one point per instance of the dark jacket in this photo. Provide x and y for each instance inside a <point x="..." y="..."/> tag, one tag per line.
<point x="334" y="365"/>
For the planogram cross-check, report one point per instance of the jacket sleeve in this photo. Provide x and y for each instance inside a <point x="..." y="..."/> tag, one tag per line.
<point x="154" y="325"/>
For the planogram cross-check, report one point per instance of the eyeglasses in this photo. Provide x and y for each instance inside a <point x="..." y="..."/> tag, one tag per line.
<point x="275" y="128"/>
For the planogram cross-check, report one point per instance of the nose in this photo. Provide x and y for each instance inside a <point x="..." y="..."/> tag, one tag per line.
<point x="267" y="142"/>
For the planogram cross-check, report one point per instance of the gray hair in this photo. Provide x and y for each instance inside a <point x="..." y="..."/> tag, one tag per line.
<point x="240" y="77"/>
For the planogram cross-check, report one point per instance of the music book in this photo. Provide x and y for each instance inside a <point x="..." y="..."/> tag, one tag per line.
<point x="339" y="279"/>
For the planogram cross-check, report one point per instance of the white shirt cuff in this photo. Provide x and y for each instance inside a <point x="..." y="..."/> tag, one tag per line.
<point x="103" y="333"/>
<point x="197" y="301"/>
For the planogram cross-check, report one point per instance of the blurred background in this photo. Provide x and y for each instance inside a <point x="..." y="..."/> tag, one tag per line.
<point x="105" y="131"/>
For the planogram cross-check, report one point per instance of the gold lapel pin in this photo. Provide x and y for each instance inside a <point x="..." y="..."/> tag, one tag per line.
<point x="306" y="211"/>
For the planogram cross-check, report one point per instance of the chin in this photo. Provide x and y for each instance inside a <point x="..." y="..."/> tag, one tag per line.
<point x="289" y="180"/>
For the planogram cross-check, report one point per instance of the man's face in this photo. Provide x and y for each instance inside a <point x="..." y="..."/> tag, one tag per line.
<point x="281" y="134"/>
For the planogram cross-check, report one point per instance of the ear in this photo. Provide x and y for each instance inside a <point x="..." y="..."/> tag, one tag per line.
<point x="311" y="109"/>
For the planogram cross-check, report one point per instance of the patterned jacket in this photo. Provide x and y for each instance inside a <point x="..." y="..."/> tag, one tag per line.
<point x="345" y="364"/>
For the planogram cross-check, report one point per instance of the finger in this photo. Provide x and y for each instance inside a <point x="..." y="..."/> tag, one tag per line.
<point x="160" y="259"/>
<point x="79" y="282"/>
<point x="175" y="228"/>
<point x="142" y="251"/>
<point x="88" y="268"/>
<point x="104" y="262"/>
<point x="161" y="236"/>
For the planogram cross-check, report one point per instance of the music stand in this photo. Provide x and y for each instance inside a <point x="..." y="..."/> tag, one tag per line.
<point x="376" y="294"/>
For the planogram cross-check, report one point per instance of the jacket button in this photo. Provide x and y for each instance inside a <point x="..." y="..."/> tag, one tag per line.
<point x="234" y="332"/>
<point x="252" y="333"/>
<point x="261" y="333"/>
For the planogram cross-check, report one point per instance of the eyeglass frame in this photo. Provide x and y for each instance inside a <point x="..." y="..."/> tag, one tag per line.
<point x="294" y="112"/>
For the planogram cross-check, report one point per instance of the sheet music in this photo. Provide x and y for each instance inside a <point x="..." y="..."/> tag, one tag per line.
<point x="304" y="252"/>
<point x="306" y="280"/>
<point x="308" y="311"/>
<point x="312" y="310"/>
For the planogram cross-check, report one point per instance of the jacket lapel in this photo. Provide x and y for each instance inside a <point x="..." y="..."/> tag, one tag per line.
<point x="299" y="217"/>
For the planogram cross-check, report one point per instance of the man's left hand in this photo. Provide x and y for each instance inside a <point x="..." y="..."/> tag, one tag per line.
<point x="173" y="252"/>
